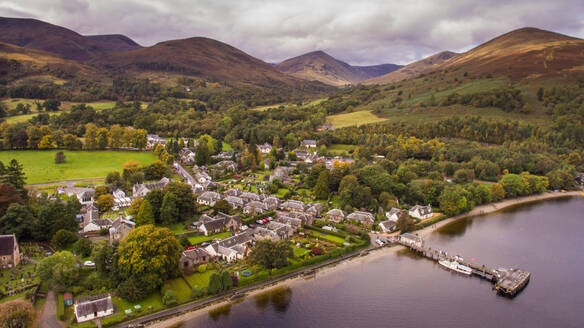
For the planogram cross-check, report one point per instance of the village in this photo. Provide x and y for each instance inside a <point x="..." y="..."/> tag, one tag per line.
<point x="236" y="210"/>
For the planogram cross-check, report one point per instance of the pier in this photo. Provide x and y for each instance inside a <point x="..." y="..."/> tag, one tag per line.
<point x="507" y="282"/>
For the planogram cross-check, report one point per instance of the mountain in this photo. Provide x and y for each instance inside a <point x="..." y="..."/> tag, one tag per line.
<point x="18" y="63"/>
<point x="524" y="53"/>
<point x="39" y="35"/>
<point x="319" y="66"/>
<point x="414" y="69"/>
<point x="197" y="57"/>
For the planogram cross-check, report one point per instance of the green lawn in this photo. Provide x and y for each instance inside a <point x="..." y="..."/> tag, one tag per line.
<point x="182" y="290"/>
<point x="40" y="166"/>
<point x="331" y="238"/>
<point x="339" y="149"/>
<point x="200" y="279"/>
<point x="178" y="228"/>
<point x="201" y="239"/>
<point x="355" y="118"/>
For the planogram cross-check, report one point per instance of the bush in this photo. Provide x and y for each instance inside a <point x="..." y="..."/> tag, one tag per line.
<point x="197" y="292"/>
<point x="169" y="297"/>
<point x="202" y="268"/>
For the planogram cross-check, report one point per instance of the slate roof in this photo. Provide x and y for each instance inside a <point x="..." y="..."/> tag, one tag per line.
<point x="7" y="245"/>
<point x="361" y="216"/>
<point x="336" y="212"/>
<point x="94" y="304"/>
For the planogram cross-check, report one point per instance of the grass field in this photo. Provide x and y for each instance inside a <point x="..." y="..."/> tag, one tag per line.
<point x="355" y="118"/>
<point x="178" y="228"/>
<point x="339" y="149"/>
<point x="331" y="238"/>
<point x="201" y="239"/>
<point x="200" y="280"/>
<point x="40" y="166"/>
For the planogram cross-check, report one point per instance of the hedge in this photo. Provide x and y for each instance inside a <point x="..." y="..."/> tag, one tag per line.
<point x="60" y="307"/>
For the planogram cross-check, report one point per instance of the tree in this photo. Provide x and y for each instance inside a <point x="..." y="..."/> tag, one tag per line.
<point x="513" y="185"/>
<point x="104" y="256"/>
<point x="63" y="239"/>
<point x="202" y="153"/>
<point x="145" y="215"/>
<point x="72" y="142"/>
<point x="169" y="213"/>
<point x="405" y="223"/>
<point x="185" y="199"/>
<point x="16" y="314"/>
<point x="134" y="208"/>
<point x="105" y="202"/>
<point x="497" y="192"/>
<point x="116" y="134"/>
<point x="60" y="157"/>
<point x="90" y="136"/>
<point x="148" y="256"/>
<point x="13" y="175"/>
<point x="321" y="189"/>
<point x="184" y="241"/>
<point x="455" y="200"/>
<point x="102" y="139"/>
<point x="222" y="206"/>
<point x="60" y="270"/>
<point x="114" y="179"/>
<point x="155" y="171"/>
<point x="51" y="105"/>
<point x="155" y="198"/>
<point x="17" y="221"/>
<point x="169" y="297"/>
<point x="462" y="176"/>
<point x="272" y="254"/>
<point x="83" y="247"/>
<point x="8" y="196"/>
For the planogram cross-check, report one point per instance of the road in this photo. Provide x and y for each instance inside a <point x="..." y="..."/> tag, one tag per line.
<point x="49" y="317"/>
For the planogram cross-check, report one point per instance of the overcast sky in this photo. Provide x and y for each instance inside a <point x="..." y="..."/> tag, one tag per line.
<point x="359" y="32"/>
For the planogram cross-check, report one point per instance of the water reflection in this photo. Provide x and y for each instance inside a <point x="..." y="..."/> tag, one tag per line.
<point x="279" y="298"/>
<point x="217" y="312"/>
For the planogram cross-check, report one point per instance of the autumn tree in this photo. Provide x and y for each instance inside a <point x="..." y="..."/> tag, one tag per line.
<point x="147" y="257"/>
<point x="145" y="215"/>
<point x="16" y="314"/>
<point x="105" y="202"/>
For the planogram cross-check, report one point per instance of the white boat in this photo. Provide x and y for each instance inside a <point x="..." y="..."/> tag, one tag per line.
<point x="455" y="266"/>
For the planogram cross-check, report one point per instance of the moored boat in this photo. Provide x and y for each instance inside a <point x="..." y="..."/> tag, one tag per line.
<point x="455" y="266"/>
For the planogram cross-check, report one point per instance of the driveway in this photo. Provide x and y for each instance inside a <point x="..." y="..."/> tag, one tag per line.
<point x="49" y="317"/>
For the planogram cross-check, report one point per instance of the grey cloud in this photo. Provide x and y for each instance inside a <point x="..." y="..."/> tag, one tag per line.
<point x="359" y="32"/>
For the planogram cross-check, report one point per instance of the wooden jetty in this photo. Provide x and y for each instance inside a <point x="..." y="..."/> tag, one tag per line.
<point x="507" y="282"/>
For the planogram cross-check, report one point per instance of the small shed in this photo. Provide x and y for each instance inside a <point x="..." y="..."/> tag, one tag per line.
<point x="68" y="299"/>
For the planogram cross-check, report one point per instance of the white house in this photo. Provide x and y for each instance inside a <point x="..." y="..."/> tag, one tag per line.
<point x="387" y="226"/>
<point x="208" y="198"/>
<point x="309" y="143"/>
<point x="393" y="214"/>
<point x="92" y="307"/>
<point x="421" y="212"/>
<point x="265" y="148"/>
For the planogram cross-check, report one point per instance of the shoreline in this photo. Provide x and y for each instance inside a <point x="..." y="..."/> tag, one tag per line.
<point x="373" y="254"/>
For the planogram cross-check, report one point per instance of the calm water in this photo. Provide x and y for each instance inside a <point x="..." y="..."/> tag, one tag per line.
<point x="400" y="289"/>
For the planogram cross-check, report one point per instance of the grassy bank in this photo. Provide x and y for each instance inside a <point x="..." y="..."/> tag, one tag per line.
<point x="40" y="166"/>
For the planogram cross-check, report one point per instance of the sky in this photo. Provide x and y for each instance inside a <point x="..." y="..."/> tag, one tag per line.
<point x="360" y="32"/>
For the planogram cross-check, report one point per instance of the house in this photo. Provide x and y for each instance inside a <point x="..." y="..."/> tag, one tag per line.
<point x="411" y="239"/>
<point x="265" y="148"/>
<point x="120" y="199"/>
<point x="293" y="222"/>
<point x="194" y="257"/>
<point x="255" y="208"/>
<point x="187" y="155"/>
<point x="335" y="215"/>
<point x="250" y="196"/>
<point x="308" y="143"/>
<point x="91" y="213"/>
<point x="300" y="154"/>
<point x="293" y="205"/>
<point x="153" y="139"/>
<point x="208" y="198"/>
<point x="315" y="209"/>
<point x="210" y="226"/>
<point x="93" y="307"/>
<point x="84" y="195"/>
<point x="305" y="218"/>
<point x="282" y="173"/>
<point x="226" y="166"/>
<point x="421" y="212"/>
<point x="224" y="155"/>
<point x="121" y="227"/>
<point x="97" y="225"/>
<point x="393" y="214"/>
<point x="141" y="189"/>
<point x="232" y="248"/>
<point x="271" y="202"/>
<point x="387" y="226"/>
<point x="233" y="192"/>
<point x="365" y="218"/>
<point x="10" y="254"/>
<point x="234" y="201"/>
